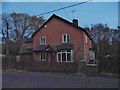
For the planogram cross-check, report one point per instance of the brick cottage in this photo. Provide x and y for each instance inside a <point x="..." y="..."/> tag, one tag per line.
<point x="58" y="45"/>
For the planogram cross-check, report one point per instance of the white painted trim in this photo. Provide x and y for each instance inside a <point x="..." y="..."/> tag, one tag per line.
<point x="66" y="38"/>
<point x="65" y="51"/>
<point x="71" y="55"/>
<point x="40" y="40"/>
<point x="83" y="60"/>
<point x="41" y="58"/>
<point x="57" y="57"/>
<point x="91" y="64"/>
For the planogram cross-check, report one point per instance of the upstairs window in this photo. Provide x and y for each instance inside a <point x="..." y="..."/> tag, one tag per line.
<point x="65" y="38"/>
<point x="42" y="40"/>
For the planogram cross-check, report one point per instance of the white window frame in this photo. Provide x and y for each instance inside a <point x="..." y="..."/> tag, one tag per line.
<point x="66" y="40"/>
<point x="91" y="57"/>
<point x="41" y="40"/>
<point x="65" y="51"/>
<point x="42" y="54"/>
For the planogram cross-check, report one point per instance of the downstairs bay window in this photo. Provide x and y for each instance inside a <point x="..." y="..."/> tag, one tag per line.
<point x="65" y="56"/>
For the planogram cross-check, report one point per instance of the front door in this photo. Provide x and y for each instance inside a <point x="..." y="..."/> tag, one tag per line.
<point x="51" y="57"/>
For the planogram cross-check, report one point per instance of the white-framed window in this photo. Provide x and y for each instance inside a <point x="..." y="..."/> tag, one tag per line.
<point x="42" y="40"/>
<point x="91" y="57"/>
<point x="43" y="56"/>
<point x="65" y="56"/>
<point x="86" y="39"/>
<point x="65" y="38"/>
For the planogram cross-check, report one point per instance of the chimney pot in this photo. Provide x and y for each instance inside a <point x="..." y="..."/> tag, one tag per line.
<point x="75" y="22"/>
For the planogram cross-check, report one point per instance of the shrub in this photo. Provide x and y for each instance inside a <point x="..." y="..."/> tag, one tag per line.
<point x="109" y="64"/>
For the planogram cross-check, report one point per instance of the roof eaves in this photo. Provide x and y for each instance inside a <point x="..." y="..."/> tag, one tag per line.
<point x="43" y="25"/>
<point x="78" y="27"/>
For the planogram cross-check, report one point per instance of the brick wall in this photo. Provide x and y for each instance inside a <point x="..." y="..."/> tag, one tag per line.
<point x="53" y="32"/>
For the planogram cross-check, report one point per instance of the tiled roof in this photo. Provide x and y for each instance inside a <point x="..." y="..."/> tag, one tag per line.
<point x="71" y="24"/>
<point x="53" y="47"/>
<point x="39" y="48"/>
<point x="29" y="40"/>
<point x="64" y="46"/>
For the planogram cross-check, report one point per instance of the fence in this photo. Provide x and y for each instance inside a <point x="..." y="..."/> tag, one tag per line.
<point x="57" y="67"/>
<point x="25" y="62"/>
<point x="8" y="62"/>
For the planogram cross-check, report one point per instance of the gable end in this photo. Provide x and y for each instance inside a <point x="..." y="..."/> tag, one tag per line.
<point x="71" y="24"/>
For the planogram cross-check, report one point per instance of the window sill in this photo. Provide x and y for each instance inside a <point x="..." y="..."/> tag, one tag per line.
<point x="42" y="44"/>
<point x="65" y="42"/>
<point x="65" y="62"/>
<point x="43" y="60"/>
<point x="95" y="65"/>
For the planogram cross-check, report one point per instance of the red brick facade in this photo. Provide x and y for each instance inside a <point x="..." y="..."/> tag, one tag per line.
<point x="54" y="29"/>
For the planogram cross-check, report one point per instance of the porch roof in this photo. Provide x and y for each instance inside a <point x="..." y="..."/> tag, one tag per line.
<point x="52" y="48"/>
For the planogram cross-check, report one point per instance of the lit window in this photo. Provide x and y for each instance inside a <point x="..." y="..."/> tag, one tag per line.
<point x="65" y="38"/>
<point x="42" y="40"/>
<point x="42" y="56"/>
<point x="65" y="56"/>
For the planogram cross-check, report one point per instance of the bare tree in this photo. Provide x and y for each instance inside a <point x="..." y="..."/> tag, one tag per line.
<point x="103" y="36"/>
<point x="6" y="26"/>
<point x="24" y="25"/>
<point x="17" y="26"/>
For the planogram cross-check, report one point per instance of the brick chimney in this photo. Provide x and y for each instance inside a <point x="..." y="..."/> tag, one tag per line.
<point x="75" y="22"/>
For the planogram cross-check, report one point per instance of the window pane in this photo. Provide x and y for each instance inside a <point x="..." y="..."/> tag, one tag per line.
<point x="64" y="38"/>
<point x="43" y="56"/>
<point x="68" y="50"/>
<point x="68" y="38"/>
<point x="42" y="40"/>
<point x="68" y="57"/>
<point x="63" y="56"/>
<point x="59" y="57"/>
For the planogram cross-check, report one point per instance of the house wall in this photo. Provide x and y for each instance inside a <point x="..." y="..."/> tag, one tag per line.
<point x="52" y="65"/>
<point x="53" y="32"/>
<point x="86" y="47"/>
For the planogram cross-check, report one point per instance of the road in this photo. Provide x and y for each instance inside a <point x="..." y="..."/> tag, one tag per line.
<point x="48" y="80"/>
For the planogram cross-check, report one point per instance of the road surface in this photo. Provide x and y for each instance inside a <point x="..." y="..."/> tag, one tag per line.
<point x="48" y="80"/>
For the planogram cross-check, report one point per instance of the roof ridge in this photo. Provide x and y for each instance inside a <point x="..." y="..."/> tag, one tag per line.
<point x="70" y="23"/>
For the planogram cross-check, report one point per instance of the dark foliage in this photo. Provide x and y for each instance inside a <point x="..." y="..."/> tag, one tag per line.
<point x="109" y="64"/>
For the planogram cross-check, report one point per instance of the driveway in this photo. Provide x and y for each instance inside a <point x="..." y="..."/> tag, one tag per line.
<point x="48" y="80"/>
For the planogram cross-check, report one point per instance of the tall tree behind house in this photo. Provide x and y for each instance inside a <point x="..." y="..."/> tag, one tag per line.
<point x="17" y="26"/>
<point x="103" y="38"/>
<point x="6" y="26"/>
